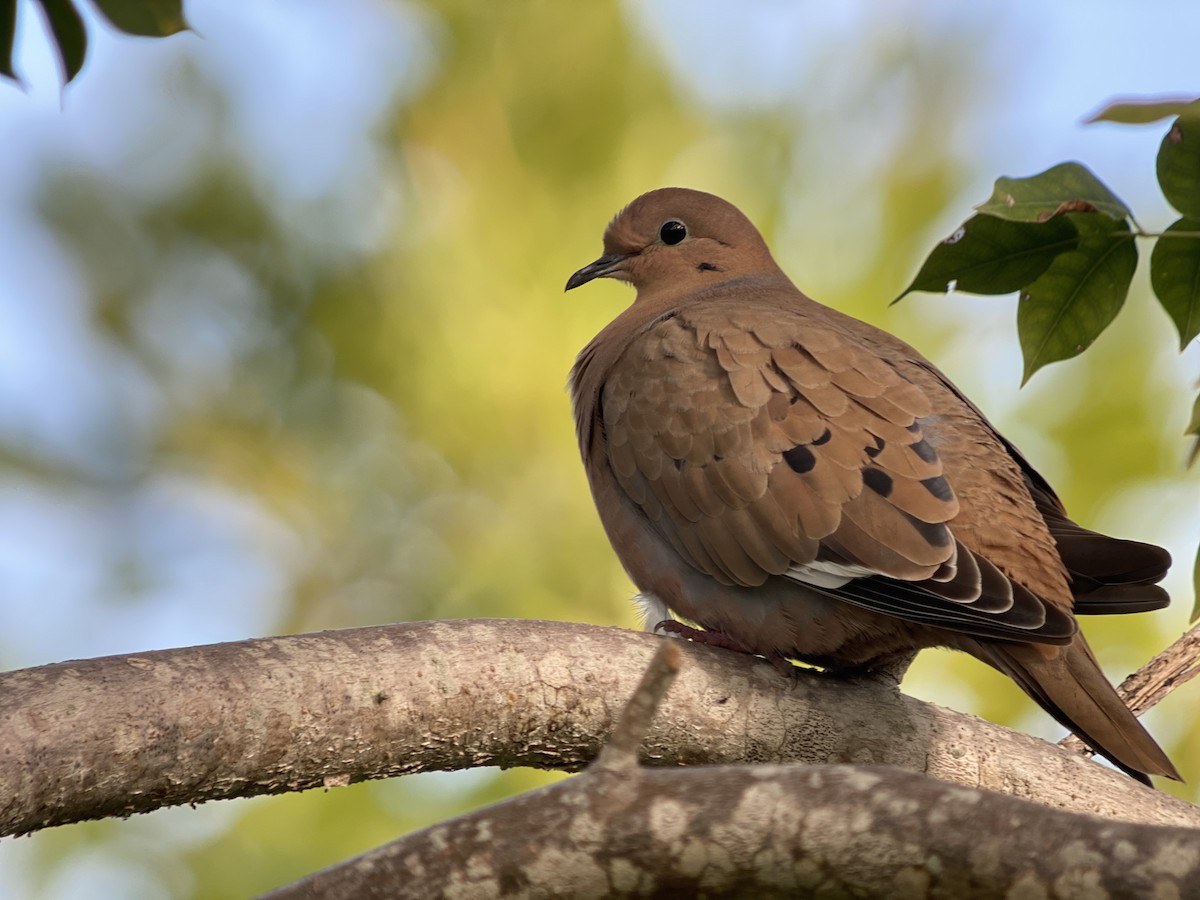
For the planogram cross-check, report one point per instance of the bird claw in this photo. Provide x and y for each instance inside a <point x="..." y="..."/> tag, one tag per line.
<point x="719" y="639"/>
<point x="701" y="636"/>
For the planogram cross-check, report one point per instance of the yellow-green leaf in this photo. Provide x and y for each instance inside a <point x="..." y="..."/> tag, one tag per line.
<point x="1179" y="165"/>
<point x="1067" y="308"/>
<point x="1142" y="110"/>
<point x="1193" y="429"/>
<point x="148" y="18"/>
<point x="1065" y="188"/>
<point x="1196" y="588"/>
<point x="988" y="255"/>
<point x="1175" y="276"/>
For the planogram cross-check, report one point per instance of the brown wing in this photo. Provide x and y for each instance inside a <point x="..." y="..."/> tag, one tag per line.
<point x="762" y="444"/>
<point x="1103" y="575"/>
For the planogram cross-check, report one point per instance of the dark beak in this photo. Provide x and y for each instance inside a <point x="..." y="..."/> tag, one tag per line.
<point x="601" y="268"/>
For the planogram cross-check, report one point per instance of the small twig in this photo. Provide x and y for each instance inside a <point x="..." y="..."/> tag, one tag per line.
<point x="621" y="750"/>
<point x="1174" y="667"/>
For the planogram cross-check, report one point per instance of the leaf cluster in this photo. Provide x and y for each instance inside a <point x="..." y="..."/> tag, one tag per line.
<point x="68" y="33"/>
<point x="1067" y="242"/>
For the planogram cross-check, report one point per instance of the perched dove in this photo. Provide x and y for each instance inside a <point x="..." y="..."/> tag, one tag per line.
<point x="802" y="485"/>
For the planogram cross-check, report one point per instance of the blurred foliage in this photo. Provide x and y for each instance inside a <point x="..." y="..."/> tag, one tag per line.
<point x="396" y="403"/>
<point x="67" y="31"/>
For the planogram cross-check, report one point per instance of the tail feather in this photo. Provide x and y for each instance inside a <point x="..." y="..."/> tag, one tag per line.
<point x="1108" y="575"/>
<point x="1070" y="686"/>
<point x="1118" y="599"/>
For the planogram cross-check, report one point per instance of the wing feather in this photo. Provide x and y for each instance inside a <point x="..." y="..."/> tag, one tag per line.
<point x="761" y="448"/>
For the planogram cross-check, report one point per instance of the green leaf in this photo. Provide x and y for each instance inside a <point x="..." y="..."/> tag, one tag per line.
<point x="1175" y="276"/>
<point x="1179" y="165"/>
<point x="8" y="29"/>
<point x="148" y="18"/>
<point x="991" y="256"/>
<point x="1067" y="308"/>
<point x="1067" y="187"/>
<point x="1195" y="588"/>
<point x="1194" y="430"/>
<point x="1142" y="110"/>
<point x="70" y="37"/>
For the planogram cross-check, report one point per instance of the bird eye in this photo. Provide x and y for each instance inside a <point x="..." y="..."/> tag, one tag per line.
<point x="672" y="232"/>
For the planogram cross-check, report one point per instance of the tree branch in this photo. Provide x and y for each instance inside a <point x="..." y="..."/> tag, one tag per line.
<point x="768" y="831"/>
<point x="124" y="734"/>
<point x="765" y="831"/>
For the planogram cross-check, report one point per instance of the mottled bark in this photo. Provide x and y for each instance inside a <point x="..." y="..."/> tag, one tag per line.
<point x="763" y="831"/>
<point x="119" y="735"/>
<point x="770" y="831"/>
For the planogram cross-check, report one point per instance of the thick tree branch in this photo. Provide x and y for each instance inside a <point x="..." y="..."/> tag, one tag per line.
<point x="769" y="831"/>
<point x="119" y="735"/>
<point x="765" y="831"/>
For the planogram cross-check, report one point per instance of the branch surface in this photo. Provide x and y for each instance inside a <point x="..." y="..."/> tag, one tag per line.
<point x="768" y="831"/>
<point x="125" y="734"/>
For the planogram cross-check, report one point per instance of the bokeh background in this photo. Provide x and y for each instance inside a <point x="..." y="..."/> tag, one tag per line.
<point x="283" y="342"/>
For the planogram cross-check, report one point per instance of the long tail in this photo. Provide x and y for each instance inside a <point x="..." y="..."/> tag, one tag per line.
<point x="1070" y="686"/>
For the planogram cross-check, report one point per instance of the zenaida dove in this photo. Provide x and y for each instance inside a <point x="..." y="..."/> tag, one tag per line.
<point x="802" y="485"/>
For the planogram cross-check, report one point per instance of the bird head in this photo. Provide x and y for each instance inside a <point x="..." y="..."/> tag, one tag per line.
<point x="676" y="239"/>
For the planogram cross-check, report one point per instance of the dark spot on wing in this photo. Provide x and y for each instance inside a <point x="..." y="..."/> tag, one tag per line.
<point x="923" y="450"/>
<point x="800" y="459"/>
<point x="877" y="480"/>
<point x="939" y="487"/>
<point x="877" y="449"/>
<point x="707" y="267"/>
<point x="935" y="533"/>
<point x="823" y="439"/>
